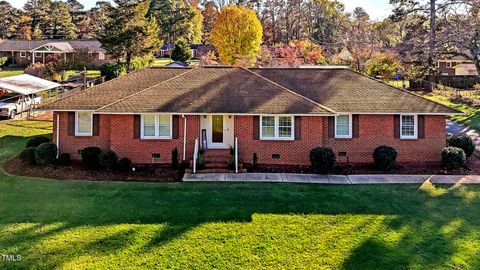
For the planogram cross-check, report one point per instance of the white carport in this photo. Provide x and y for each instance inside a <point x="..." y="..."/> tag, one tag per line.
<point x="25" y="85"/>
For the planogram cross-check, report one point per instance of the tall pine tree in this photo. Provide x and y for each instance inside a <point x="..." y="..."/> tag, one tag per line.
<point x="129" y="33"/>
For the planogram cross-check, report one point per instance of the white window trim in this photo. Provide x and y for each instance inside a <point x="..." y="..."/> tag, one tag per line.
<point x="38" y="54"/>
<point x="23" y="54"/>
<point x="349" y="136"/>
<point x="157" y="126"/>
<point x="277" y="121"/>
<point x="437" y="64"/>
<point x="449" y="64"/>
<point x="415" y="127"/>
<point x="101" y="56"/>
<point x="77" y="133"/>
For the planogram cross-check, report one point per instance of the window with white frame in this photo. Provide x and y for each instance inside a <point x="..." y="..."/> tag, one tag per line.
<point x="437" y="64"/>
<point x="23" y="54"/>
<point x="101" y="56"/>
<point x="343" y="126"/>
<point x="156" y="126"/>
<point x="38" y="54"/>
<point x="276" y="127"/>
<point x="83" y="123"/>
<point x="449" y="64"/>
<point x="408" y="126"/>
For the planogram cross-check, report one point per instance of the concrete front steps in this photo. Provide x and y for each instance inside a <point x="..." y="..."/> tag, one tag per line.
<point x="215" y="161"/>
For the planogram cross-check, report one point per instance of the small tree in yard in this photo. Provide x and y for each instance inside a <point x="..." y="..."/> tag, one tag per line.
<point x="181" y="52"/>
<point x="383" y="65"/>
<point x="3" y="60"/>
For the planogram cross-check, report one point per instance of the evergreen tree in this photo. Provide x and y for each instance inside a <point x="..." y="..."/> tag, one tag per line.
<point x="181" y="52"/>
<point x="174" y="18"/>
<point x="60" y="23"/>
<point x="10" y="20"/>
<point x="129" y="33"/>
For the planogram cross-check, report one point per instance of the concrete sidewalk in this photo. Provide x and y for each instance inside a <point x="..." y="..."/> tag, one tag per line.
<point x="331" y="179"/>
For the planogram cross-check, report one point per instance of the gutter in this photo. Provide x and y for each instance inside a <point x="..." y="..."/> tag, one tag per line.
<point x="184" y="136"/>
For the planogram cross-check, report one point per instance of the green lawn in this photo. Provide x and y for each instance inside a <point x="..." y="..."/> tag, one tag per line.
<point x="471" y="117"/>
<point x="398" y="83"/>
<point x="117" y="225"/>
<point x="161" y="62"/>
<point x="7" y="72"/>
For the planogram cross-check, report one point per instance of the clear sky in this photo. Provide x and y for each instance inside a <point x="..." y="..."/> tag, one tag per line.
<point x="377" y="9"/>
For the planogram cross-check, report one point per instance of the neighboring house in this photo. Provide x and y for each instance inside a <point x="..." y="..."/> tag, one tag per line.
<point x="455" y="66"/>
<point x="344" y="56"/>
<point x="198" y="50"/>
<point x="278" y="116"/>
<point x="26" y="52"/>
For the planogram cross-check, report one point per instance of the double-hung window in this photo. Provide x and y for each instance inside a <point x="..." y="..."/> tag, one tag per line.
<point x="23" y="54"/>
<point x="408" y="126"/>
<point x="83" y="123"/>
<point x="343" y="126"/>
<point x="156" y="126"/>
<point x="276" y="127"/>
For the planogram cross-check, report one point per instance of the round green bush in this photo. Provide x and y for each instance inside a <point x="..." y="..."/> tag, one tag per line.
<point x="322" y="159"/>
<point x="453" y="157"/>
<point x="124" y="164"/>
<point x="384" y="157"/>
<point x="37" y="140"/>
<point x="464" y="142"/>
<point x="46" y="154"/>
<point x="64" y="159"/>
<point x="90" y="157"/>
<point x="28" y="155"/>
<point x="108" y="159"/>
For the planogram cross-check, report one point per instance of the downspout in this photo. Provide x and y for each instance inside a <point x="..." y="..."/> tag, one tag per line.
<point x="184" y="136"/>
<point x="57" y="137"/>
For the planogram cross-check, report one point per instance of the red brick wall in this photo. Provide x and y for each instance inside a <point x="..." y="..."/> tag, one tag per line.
<point x="116" y="133"/>
<point x="71" y="144"/>
<point x="374" y="130"/>
<point x="140" y="151"/>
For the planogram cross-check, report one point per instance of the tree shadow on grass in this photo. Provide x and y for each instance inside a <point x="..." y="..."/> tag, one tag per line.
<point x="75" y="218"/>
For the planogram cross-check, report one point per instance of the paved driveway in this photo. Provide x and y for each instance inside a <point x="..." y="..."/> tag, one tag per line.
<point x="454" y="128"/>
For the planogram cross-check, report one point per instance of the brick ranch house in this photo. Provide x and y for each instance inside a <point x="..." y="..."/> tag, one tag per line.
<point x="277" y="114"/>
<point x="26" y="52"/>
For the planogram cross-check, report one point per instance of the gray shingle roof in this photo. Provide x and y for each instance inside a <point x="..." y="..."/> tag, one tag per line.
<point x="253" y="91"/>
<point x="344" y="90"/>
<point x="28" y="45"/>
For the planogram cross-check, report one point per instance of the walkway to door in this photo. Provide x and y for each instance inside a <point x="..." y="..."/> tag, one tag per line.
<point x="331" y="179"/>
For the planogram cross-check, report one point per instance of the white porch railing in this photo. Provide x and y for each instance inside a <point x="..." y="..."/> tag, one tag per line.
<point x="236" y="154"/>
<point x="195" y="156"/>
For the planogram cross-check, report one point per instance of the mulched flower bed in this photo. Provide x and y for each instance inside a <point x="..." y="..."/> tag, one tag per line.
<point x="77" y="171"/>
<point x="472" y="168"/>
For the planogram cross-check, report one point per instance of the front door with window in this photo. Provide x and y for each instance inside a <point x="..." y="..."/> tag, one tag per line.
<point x="219" y="130"/>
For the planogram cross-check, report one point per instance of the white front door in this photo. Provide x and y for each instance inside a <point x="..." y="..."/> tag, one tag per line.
<point x="218" y="130"/>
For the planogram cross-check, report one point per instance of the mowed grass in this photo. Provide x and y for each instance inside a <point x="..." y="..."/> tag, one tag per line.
<point x="7" y="72"/>
<point x="118" y="225"/>
<point x="471" y="117"/>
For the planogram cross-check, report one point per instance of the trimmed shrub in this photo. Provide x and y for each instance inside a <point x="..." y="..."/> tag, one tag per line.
<point x="322" y="159"/>
<point x="453" y="157"/>
<point x="124" y="164"/>
<point x="28" y="155"/>
<point x="384" y="157"/>
<point x="90" y="157"/>
<point x="108" y="159"/>
<point x="175" y="158"/>
<point x="64" y="159"/>
<point x="464" y="142"/>
<point x="37" y="140"/>
<point x="46" y="154"/>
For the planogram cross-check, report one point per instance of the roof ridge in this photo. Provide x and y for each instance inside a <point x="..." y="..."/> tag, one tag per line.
<point x="289" y="90"/>
<point x="143" y="90"/>
<point x="401" y="89"/>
